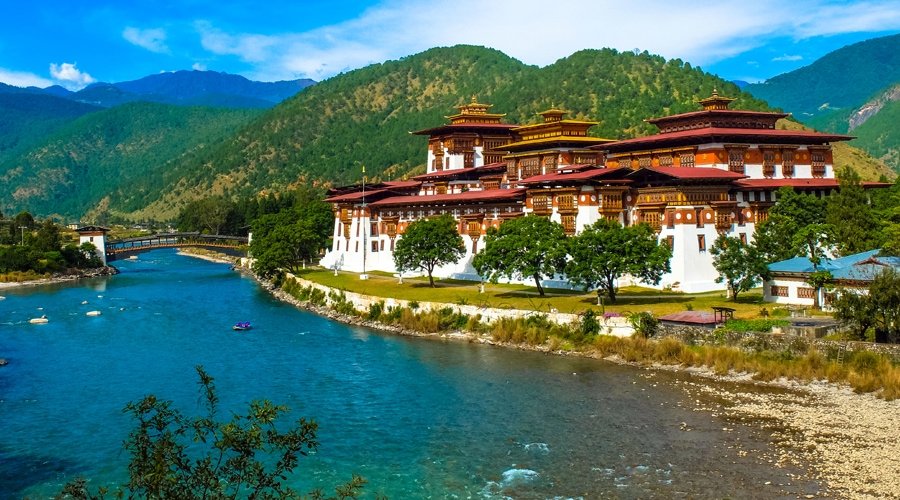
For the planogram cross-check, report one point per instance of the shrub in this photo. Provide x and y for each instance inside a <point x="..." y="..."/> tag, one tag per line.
<point x="375" y="310"/>
<point x="589" y="324"/>
<point x="644" y="324"/>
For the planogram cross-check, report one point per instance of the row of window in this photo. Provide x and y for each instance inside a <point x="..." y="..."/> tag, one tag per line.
<point x="784" y="291"/>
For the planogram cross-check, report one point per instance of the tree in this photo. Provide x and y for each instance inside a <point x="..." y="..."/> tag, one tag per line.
<point x="773" y="238"/>
<point x="529" y="246"/>
<point x="856" y="228"/>
<point x="282" y="241"/>
<point x="879" y="309"/>
<point x="606" y="250"/>
<point x="740" y="266"/>
<point x="249" y="456"/>
<point x="427" y="244"/>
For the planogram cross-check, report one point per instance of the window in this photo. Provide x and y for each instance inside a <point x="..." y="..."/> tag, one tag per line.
<point x="806" y="293"/>
<point x="778" y="291"/>
<point x="670" y="241"/>
<point x="818" y="163"/>
<point x="644" y="161"/>
<point x="686" y="159"/>
<point x="768" y="163"/>
<point x="530" y="167"/>
<point x="701" y="242"/>
<point x="736" y="160"/>
<point x="743" y="237"/>
<point x="566" y="202"/>
<point x="550" y="163"/>
<point x="568" y="223"/>
<point x="374" y="245"/>
<point x="541" y="204"/>
<point x="468" y="159"/>
<point x="665" y="161"/>
<point x="787" y="164"/>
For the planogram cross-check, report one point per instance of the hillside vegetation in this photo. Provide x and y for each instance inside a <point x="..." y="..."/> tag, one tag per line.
<point x="25" y="118"/>
<point x="841" y="80"/>
<point x="325" y="133"/>
<point x="150" y="168"/>
<point x="121" y="156"/>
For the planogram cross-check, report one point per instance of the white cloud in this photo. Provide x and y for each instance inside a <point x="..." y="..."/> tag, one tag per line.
<point x="153" y="39"/>
<point x="69" y="76"/>
<point x="788" y="58"/>
<point x="540" y="32"/>
<point x="23" y="79"/>
<point x="198" y="66"/>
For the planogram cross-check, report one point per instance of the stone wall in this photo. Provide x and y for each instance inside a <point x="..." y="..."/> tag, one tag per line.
<point x="617" y="326"/>
<point x="759" y="341"/>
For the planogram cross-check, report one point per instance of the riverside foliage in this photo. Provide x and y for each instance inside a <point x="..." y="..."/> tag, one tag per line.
<point x="863" y="370"/>
<point x="247" y="456"/>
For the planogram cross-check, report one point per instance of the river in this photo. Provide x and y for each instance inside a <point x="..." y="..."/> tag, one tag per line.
<point x="417" y="418"/>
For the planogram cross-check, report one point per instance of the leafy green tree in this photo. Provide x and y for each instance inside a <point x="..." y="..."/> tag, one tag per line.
<point x="282" y="241"/>
<point x="879" y="309"/>
<point x="773" y="238"/>
<point x="854" y="310"/>
<point x="529" y="246"/>
<point x="740" y="265"/>
<point x="48" y="238"/>
<point x="248" y="456"/>
<point x="606" y="250"/>
<point x="848" y="212"/>
<point x="427" y="244"/>
<point x="803" y="209"/>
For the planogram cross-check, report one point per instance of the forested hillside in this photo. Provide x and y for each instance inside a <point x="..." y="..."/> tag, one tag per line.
<point x="324" y="134"/>
<point x="121" y="157"/>
<point x="26" y="118"/>
<point x="841" y="80"/>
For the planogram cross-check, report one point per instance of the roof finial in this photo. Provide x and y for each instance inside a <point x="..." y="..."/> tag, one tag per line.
<point x="474" y="99"/>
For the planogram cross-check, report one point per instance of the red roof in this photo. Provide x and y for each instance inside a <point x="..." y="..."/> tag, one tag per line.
<point x="713" y="112"/>
<point x="468" y="196"/>
<point x="705" y="134"/>
<point x="491" y="167"/>
<point x="692" y="317"/>
<point x="750" y="184"/>
<point x="692" y="173"/>
<point x="578" y="175"/>
<point x="464" y="126"/>
<point x="402" y="184"/>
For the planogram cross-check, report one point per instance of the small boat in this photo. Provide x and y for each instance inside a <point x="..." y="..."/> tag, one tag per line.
<point x="83" y="302"/>
<point x="93" y="313"/>
<point x="241" y="326"/>
<point x="132" y="257"/>
<point x="37" y="321"/>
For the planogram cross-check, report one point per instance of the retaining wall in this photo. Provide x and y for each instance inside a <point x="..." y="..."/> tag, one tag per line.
<point x="617" y="326"/>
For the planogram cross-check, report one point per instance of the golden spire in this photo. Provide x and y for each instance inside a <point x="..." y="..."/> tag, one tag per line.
<point x="715" y="101"/>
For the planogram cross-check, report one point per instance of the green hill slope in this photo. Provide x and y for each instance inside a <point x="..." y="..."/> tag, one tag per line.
<point x="841" y="80"/>
<point x="148" y="161"/>
<point x="880" y="134"/>
<point x="122" y="156"/>
<point x="364" y="116"/>
<point x="25" y="118"/>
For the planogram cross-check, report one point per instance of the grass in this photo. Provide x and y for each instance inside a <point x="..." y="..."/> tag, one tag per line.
<point x="864" y="371"/>
<point x="503" y="296"/>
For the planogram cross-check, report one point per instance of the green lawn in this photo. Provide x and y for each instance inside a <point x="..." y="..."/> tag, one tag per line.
<point x="523" y="297"/>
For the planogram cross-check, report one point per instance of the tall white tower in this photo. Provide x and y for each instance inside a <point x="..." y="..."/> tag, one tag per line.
<point x="95" y="235"/>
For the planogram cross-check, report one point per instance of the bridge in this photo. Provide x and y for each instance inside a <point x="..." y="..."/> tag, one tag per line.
<point x="231" y="245"/>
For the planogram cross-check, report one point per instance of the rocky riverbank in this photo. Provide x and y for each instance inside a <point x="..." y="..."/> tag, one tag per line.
<point x="847" y="442"/>
<point x="70" y="275"/>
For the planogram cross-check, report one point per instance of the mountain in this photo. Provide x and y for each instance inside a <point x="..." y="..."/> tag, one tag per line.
<point x="847" y="91"/>
<point x="25" y="117"/>
<point x="193" y="88"/>
<point x="323" y="135"/>
<point x="121" y="156"/>
<point x="840" y="80"/>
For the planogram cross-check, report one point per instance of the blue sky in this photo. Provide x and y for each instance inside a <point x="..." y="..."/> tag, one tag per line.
<point x="74" y="43"/>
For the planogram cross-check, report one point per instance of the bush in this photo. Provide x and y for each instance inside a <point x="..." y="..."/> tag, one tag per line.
<point x="644" y="324"/>
<point x="589" y="324"/>
<point x="375" y="310"/>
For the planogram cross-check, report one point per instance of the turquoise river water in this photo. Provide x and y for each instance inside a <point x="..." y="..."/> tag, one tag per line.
<point x="417" y="418"/>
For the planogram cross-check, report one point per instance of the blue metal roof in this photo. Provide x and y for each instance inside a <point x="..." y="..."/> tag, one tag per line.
<point x="862" y="266"/>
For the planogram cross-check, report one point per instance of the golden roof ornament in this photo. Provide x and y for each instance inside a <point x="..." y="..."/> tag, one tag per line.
<point x="716" y="102"/>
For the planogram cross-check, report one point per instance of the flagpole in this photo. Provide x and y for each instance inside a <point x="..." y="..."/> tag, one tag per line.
<point x="365" y="228"/>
